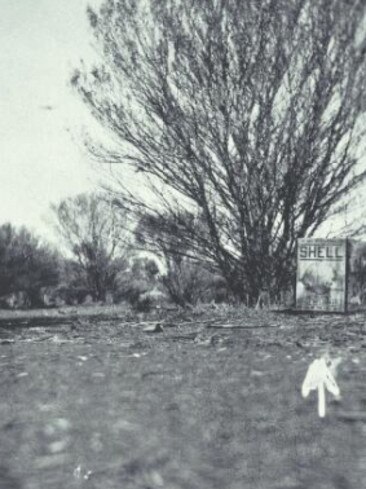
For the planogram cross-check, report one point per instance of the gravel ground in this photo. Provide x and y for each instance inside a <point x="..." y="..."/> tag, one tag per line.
<point x="206" y="401"/>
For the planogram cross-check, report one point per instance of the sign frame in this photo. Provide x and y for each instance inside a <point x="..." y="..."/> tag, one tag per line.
<point x="322" y="275"/>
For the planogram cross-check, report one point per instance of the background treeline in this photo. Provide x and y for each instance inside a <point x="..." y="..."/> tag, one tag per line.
<point x="101" y="258"/>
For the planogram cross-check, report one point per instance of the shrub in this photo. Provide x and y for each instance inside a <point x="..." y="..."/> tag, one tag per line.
<point x="26" y="265"/>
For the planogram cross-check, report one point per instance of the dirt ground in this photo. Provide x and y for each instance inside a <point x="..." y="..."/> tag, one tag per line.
<point x="212" y="400"/>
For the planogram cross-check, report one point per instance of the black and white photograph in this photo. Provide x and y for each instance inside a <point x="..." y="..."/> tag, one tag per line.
<point x="183" y="244"/>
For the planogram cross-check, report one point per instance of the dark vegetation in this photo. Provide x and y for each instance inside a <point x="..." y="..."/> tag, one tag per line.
<point x="26" y="266"/>
<point x="99" y="261"/>
<point x="93" y="235"/>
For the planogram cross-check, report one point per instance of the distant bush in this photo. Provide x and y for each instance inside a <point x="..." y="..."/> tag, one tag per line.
<point x="93" y="232"/>
<point x="26" y="267"/>
<point x="139" y="284"/>
<point x="188" y="277"/>
<point x="189" y="282"/>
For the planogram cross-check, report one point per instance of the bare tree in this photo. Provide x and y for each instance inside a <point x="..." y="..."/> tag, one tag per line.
<point x="247" y="113"/>
<point x="187" y="278"/>
<point x="93" y="232"/>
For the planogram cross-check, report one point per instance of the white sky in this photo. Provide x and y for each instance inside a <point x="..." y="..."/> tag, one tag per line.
<point x="40" y="162"/>
<point x="41" y="42"/>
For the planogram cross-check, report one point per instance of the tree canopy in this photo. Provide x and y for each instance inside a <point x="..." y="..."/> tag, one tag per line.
<point x="26" y="265"/>
<point x="93" y="233"/>
<point x="247" y="114"/>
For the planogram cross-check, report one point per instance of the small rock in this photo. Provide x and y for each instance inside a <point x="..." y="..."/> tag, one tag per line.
<point x="200" y="340"/>
<point x="157" y="479"/>
<point x="154" y="328"/>
<point x="80" y="473"/>
<point x="257" y="373"/>
<point x="62" y="424"/>
<point x="77" y="472"/>
<point x="6" y="341"/>
<point x="267" y="356"/>
<point x="57" y="339"/>
<point x="88" y="474"/>
<point x="22" y="374"/>
<point x="58" y="446"/>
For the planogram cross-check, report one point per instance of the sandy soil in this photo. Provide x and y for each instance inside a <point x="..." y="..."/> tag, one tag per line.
<point x="211" y="402"/>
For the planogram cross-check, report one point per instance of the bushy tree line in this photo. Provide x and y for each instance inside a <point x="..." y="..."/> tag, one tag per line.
<point x="100" y="258"/>
<point x="92" y="234"/>
<point x="26" y="265"/>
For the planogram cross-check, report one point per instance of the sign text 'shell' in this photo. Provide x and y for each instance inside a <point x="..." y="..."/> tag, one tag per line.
<point x="320" y="252"/>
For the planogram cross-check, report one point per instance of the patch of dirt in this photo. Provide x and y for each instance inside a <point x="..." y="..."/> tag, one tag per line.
<point x="203" y="401"/>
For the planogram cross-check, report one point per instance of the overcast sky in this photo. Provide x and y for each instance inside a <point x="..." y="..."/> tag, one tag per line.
<point x="40" y="116"/>
<point x="41" y="41"/>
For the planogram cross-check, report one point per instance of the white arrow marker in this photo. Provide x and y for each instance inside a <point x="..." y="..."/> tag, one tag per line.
<point x="319" y="377"/>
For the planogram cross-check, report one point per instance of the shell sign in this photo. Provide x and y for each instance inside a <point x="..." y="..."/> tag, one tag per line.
<point x="331" y="275"/>
<point x="321" y="275"/>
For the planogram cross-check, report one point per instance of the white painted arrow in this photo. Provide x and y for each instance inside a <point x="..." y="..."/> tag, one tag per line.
<point x="320" y="377"/>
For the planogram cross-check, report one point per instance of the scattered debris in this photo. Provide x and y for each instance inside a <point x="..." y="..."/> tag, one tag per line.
<point x="58" y="446"/>
<point x="157" y="479"/>
<point x="152" y="372"/>
<point x="154" y="328"/>
<point x="204" y="341"/>
<point x="241" y="326"/>
<point x="62" y="424"/>
<point x="257" y="373"/>
<point x="51" y="461"/>
<point x="99" y="375"/>
<point x="170" y="324"/>
<point x="88" y="474"/>
<point x="23" y="374"/>
<point x="77" y="472"/>
<point x="188" y="336"/>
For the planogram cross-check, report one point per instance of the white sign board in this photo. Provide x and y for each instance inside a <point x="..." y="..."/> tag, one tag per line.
<point x="321" y="275"/>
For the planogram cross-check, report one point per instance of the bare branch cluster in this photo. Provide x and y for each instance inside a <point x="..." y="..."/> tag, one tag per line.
<point x="93" y="233"/>
<point x="245" y="115"/>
